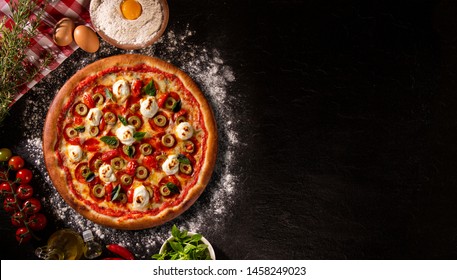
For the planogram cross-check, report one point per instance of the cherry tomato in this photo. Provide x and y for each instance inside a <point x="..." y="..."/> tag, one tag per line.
<point x="5" y="188"/>
<point x="10" y="204"/>
<point x="23" y="235"/>
<point x="31" y="206"/>
<point x="17" y="219"/>
<point x="5" y="154"/>
<point x="16" y="162"/>
<point x="24" y="192"/>
<point x="37" y="221"/>
<point x="24" y="175"/>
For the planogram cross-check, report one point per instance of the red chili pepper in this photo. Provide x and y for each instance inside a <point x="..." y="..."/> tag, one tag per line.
<point x="107" y="156"/>
<point x="161" y="100"/>
<point x="88" y="100"/>
<point x="121" y="251"/>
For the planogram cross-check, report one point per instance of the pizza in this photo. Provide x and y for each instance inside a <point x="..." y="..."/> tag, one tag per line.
<point x="130" y="142"/>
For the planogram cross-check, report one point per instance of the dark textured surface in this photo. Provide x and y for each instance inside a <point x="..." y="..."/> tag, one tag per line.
<point x="350" y="129"/>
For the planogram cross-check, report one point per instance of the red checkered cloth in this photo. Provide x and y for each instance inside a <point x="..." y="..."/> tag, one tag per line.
<point x="77" y="10"/>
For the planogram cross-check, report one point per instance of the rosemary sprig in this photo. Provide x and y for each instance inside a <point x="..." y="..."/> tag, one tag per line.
<point x="15" y="68"/>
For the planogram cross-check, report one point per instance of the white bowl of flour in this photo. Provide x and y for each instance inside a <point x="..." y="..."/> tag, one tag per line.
<point x="111" y="24"/>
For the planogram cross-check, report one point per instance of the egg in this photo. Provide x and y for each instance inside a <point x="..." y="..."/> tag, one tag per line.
<point x="63" y="32"/>
<point x="86" y="38"/>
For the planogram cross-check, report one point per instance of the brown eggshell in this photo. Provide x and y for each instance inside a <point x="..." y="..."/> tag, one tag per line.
<point x="86" y="38"/>
<point x="63" y="32"/>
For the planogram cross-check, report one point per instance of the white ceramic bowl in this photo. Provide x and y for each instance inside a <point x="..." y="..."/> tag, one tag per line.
<point x="204" y="240"/>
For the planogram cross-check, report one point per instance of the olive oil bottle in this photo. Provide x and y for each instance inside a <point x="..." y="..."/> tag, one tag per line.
<point x="64" y="244"/>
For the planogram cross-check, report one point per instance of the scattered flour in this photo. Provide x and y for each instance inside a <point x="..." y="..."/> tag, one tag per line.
<point x="207" y="215"/>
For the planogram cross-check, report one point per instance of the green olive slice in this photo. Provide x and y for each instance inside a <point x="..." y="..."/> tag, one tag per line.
<point x="117" y="163"/>
<point x="81" y="109"/>
<point x="135" y="107"/>
<point x="165" y="190"/>
<point x="146" y="149"/>
<point x="98" y="191"/>
<point x="110" y="118"/>
<point x="185" y="168"/>
<point x="126" y="180"/>
<point x="188" y="147"/>
<point x="93" y="131"/>
<point x="141" y="172"/>
<point x="85" y="170"/>
<point x="160" y="120"/>
<point x="180" y="119"/>
<point x="97" y="163"/>
<point x="168" y="140"/>
<point x="98" y="99"/>
<point x="71" y="132"/>
<point x="170" y="103"/>
<point x="135" y="121"/>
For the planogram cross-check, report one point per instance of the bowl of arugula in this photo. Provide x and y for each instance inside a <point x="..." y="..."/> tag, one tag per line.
<point x="185" y="245"/>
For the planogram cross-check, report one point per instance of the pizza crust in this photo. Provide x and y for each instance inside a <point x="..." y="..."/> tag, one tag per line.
<point x="58" y="176"/>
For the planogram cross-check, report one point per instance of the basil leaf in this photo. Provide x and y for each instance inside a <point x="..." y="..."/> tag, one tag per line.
<point x="177" y="106"/>
<point x="115" y="192"/>
<point x="150" y="89"/>
<point x="175" y="231"/>
<point x="183" y="159"/>
<point x="89" y="177"/>
<point x="110" y="140"/>
<point x="139" y="135"/>
<point x="173" y="188"/>
<point x="176" y="246"/>
<point x="80" y="128"/>
<point x="109" y="95"/>
<point x="129" y="151"/>
<point x="123" y="120"/>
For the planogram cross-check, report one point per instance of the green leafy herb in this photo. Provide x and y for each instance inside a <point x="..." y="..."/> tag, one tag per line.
<point x="183" y="159"/>
<point x="128" y="150"/>
<point x="172" y="187"/>
<point x="80" y="128"/>
<point x="110" y="140"/>
<point x="139" y="135"/>
<point x="150" y="89"/>
<point x="89" y="177"/>
<point x="115" y="192"/>
<point x="16" y="67"/>
<point x="177" y="106"/>
<point x="123" y="120"/>
<point x="184" y="247"/>
<point x="109" y="95"/>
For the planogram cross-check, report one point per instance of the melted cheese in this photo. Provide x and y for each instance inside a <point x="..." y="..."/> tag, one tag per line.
<point x="184" y="131"/>
<point x="140" y="198"/>
<point x="149" y="107"/>
<point x="171" y="165"/>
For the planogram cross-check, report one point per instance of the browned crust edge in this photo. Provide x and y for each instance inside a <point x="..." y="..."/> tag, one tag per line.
<point x="58" y="177"/>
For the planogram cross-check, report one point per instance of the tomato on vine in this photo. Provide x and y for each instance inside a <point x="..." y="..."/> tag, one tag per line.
<point x="31" y="206"/>
<point x="16" y="163"/>
<point x="10" y="204"/>
<point x="37" y="222"/>
<point x="23" y="235"/>
<point x="5" y="188"/>
<point x="24" y="176"/>
<point x="24" y="192"/>
<point x="17" y="219"/>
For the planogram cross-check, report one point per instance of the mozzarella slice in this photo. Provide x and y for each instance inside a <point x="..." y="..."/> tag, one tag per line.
<point x="121" y="90"/>
<point x="149" y="107"/>
<point x="125" y="134"/>
<point x="140" y="198"/>
<point x="171" y="165"/>
<point x="184" y="131"/>
<point x="106" y="173"/>
<point x="75" y="153"/>
<point x="94" y="116"/>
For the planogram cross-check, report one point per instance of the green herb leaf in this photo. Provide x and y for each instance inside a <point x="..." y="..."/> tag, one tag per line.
<point x="172" y="187"/>
<point x="183" y="159"/>
<point x="129" y="151"/>
<point x="89" y="177"/>
<point x="150" y="88"/>
<point x="110" y="140"/>
<point x="122" y="120"/>
<point x="109" y="95"/>
<point x="175" y="232"/>
<point x="115" y="192"/>
<point x="139" y="135"/>
<point x="176" y="246"/>
<point x="80" y="128"/>
<point x="177" y="106"/>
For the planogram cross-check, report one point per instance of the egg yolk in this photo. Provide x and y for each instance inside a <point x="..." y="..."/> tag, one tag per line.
<point x="131" y="9"/>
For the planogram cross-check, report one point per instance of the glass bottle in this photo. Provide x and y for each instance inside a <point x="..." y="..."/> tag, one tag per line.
<point x="92" y="248"/>
<point x="64" y="244"/>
